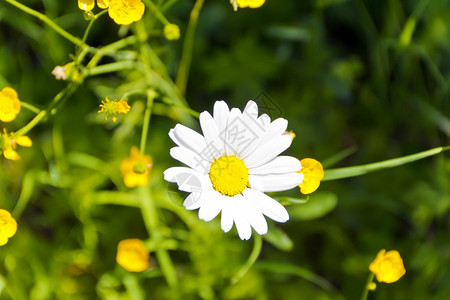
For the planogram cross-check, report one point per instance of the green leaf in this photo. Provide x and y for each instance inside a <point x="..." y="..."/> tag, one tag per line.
<point x="279" y="239"/>
<point x="319" y="204"/>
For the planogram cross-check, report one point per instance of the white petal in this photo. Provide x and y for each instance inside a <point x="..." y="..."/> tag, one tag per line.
<point x="187" y="179"/>
<point x="264" y="120"/>
<point x="227" y="217"/>
<point x="279" y="165"/>
<point x="255" y="217"/>
<point x="267" y="206"/>
<point x="211" y="205"/>
<point x="188" y="138"/>
<point x="268" y="151"/>
<point x="265" y="135"/>
<point x="191" y="159"/>
<point x="232" y="132"/>
<point x="214" y="143"/>
<point x="251" y="109"/>
<point x="275" y="182"/>
<point x="193" y="201"/>
<point x="221" y="112"/>
<point x="242" y="225"/>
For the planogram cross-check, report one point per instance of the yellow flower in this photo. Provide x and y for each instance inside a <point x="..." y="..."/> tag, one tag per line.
<point x="247" y="3"/>
<point x="132" y="255"/>
<point x="9" y="104"/>
<point x="172" y="32"/>
<point x="125" y="12"/>
<point x="136" y="169"/>
<point x="8" y="226"/>
<point x="86" y="5"/>
<point x="103" y="3"/>
<point x="388" y="266"/>
<point x="312" y="171"/>
<point x="113" y="108"/>
<point x="8" y="143"/>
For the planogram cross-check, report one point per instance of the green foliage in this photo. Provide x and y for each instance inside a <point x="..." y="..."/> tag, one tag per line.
<point x="360" y="81"/>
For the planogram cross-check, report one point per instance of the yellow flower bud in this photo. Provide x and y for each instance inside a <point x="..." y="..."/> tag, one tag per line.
<point x="9" y="104"/>
<point x="132" y="255"/>
<point x="388" y="266"/>
<point x="172" y="32"/>
<point x="8" y="226"/>
<point x="86" y="5"/>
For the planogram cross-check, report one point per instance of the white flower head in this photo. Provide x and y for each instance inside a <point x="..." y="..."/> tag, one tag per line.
<point x="232" y="165"/>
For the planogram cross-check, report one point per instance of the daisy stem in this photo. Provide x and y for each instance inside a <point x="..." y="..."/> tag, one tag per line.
<point x="188" y="46"/>
<point x="150" y="216"/>
<point x="366" y="287"/>
<point x="47" y="21"/>
<point x="151" y="94"/>
<point x="257" y="246"/>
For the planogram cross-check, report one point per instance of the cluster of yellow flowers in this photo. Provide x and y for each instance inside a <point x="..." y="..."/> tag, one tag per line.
<point x="9" y="109"/>
<point x="123" y="12"/>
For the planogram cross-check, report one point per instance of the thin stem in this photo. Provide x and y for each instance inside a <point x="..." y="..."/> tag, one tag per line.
<point x="112" y="67"/>
<point x="188" y="46"/>
<point x="47" y="21"/>
<point x="157" y="12"/>
<point x="257" y="246"/>
<point x="30" y="107"/>
<point x="150" y="216"/>
<point x="65" y="93"/>
<point x="148" y="112"/>
<point x="339" y="173"/>
<point x="366" y="287"/>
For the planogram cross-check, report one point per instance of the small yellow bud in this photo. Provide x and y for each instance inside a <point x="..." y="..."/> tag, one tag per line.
<point x="172" y="32"/>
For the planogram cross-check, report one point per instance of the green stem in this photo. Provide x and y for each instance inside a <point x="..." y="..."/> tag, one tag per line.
<point x="110" y="49"/>
<point x="257" y="246"/>
<point x="112" y="67"/>
<point x="30" y="107"/>
<point x="65" y="93"/>
<point x="150" y="216"/>
<point x="47" y="21"/>
<point x="366" y="287"/>
<point x="188" y="46"/>
<point x="157" y="12"/>
<point x="148" y="112"/>
<point x="133" y="287"/>
<point x="339" y="173"/>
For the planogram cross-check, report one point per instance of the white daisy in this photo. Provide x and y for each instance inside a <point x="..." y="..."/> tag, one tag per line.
<point x="232" y="165"/>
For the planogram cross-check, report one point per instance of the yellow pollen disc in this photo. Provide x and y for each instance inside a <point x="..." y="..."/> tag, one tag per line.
<point x="228" y="175"/>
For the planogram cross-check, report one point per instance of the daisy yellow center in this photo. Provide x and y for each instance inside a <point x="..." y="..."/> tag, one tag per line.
<point x="228" y="175"/>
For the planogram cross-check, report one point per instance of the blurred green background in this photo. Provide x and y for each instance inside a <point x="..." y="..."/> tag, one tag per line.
<point x="367" y="77"/>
